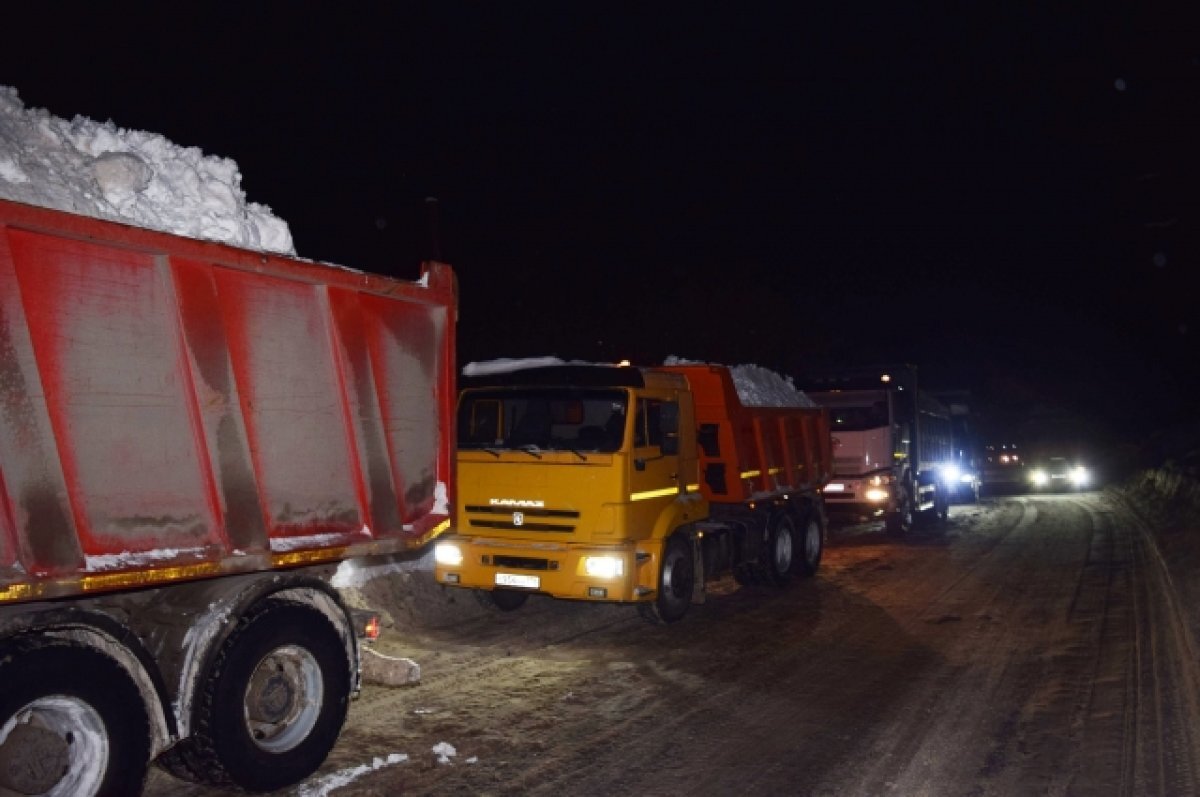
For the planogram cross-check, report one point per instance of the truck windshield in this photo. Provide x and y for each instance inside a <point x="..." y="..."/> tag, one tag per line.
<point x="857" y="419"/>
<point x="542" y="419"/>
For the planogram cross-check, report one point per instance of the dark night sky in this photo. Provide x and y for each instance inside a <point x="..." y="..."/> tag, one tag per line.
<point x="1007" y="197"/>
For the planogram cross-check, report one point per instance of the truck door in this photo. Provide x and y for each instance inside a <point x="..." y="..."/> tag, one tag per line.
<point x="654" y="477"/>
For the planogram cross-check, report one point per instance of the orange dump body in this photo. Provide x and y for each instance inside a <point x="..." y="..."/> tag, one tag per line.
<point x="173" y="409"/>
<point x="752" y="453"/>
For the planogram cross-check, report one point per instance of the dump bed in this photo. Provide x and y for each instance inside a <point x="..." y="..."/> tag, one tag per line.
<point x="174" y="409"/>
<point x="751" y="453"/>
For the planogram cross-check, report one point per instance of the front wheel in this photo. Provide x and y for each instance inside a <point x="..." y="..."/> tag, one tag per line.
<point x="273" y="701"/>
<point x="677" y="578"/>
<point x="72" y="722"/>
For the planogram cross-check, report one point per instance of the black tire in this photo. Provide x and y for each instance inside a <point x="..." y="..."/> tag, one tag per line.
<point x="277" y="645"/>
<point x="900" y="522"/>
<point x="779" y="552"/>
<point x="505" y="600"/>
<point x="677" y="579"/>
<point x="87" y="700"/>
<point x="812" y="545"/>
<point x="941" y="507"/>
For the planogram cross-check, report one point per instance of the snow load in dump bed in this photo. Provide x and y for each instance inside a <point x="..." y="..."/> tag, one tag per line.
<point x="98" y="169"/>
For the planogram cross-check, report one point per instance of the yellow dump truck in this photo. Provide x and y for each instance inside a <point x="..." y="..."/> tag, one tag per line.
<point x="626" y="484"/>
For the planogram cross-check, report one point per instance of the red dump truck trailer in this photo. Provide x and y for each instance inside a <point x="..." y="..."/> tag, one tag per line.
<point x="192" y="436"/>
<point x="630" y="485"/>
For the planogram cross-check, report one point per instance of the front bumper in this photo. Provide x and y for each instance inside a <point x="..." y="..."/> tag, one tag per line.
<point x="556" y="569"/>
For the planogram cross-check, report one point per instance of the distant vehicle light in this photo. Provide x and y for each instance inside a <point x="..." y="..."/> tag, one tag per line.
<point x="1039" y="477"/>
<point x="1005" y="458"/>
<point x="876" y="494"/>
<point x="1080" y="476"/>
<point x="448" y="554"/>
<point x="604" y="566"/>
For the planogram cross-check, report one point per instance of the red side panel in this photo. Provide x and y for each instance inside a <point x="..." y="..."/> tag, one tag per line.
<point x="754" y="452"/>
<point x="165" y="401"/>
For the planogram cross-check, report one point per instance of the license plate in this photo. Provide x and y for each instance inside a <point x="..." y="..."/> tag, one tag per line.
<point x="514" y="580"/>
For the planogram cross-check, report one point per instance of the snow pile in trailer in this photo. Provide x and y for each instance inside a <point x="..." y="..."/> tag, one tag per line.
<point x="757" y="386"/>
<point x="101" y="170"/>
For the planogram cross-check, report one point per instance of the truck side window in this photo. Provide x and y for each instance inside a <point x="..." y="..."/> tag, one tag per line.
<point x="649" y="424"/>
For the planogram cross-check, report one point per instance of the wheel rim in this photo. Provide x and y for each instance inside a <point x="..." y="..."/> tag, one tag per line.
<point x="812" y="542"/>
<point x="783" y="548"/>
<point x="283" y="699"/>
<point x="62" y="744"/>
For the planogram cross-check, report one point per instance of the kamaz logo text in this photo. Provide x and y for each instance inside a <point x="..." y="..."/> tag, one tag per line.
<point x="521" y="502"/>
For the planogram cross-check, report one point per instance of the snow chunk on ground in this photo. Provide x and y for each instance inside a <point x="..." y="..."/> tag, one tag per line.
<point x="131" y="176"/>
<point x="444" y="752"/>
<point x="324" y="785"/>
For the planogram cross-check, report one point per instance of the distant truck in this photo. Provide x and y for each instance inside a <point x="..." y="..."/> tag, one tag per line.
<point x="626" y="484"/>
<point x="192" y="437"/>
<point x="891" y="442"/>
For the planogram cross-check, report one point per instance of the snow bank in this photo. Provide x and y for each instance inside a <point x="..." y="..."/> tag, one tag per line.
<point x="131" y="176"/>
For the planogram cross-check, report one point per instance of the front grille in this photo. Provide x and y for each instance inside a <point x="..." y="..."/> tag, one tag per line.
<point x="533" y="519"/>
<point x="502" y="524"/>
<point x="508" y="510"/>
<point x="524" y="563"/>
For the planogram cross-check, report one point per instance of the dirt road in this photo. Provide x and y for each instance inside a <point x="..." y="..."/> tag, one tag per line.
<point x="1028" y="647"/>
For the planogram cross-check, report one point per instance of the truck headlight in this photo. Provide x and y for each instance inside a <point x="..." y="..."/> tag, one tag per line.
<point x="1079" y="476"/>
<point x="1038" y="477"/>
<point x="951" y="473"/>
<point x="448" y="554"/>
<point x="876" y="494"/>
<point x="604" y="566"/>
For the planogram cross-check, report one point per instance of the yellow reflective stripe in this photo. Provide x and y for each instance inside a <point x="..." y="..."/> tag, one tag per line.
<point x="142" y="578"/>
<point x="692" y="488"/>
<point x="16" y="592"/>
<point x="750" y="474"/>
<point x="666" y="491"/>
<point x="310" y="557"/>
<point x="774" y="471"/>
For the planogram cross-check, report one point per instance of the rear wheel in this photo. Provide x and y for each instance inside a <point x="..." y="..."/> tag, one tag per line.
<point x="779" y="554"/>
<point x="273" y="701"/>
<point x="72" y="722"/>
<point x="812" y="545"/>
<point x="677" y="578"/>
<point x="506" y="600"/>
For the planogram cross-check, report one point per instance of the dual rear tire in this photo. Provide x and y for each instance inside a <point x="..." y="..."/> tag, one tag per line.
<point x="793" y="548"/>
<point x="272" y="704"/>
